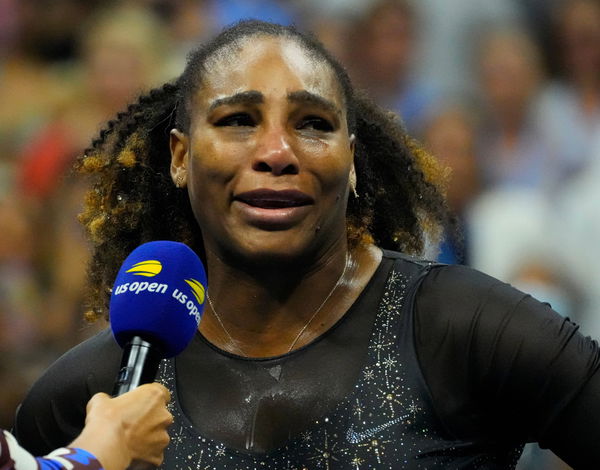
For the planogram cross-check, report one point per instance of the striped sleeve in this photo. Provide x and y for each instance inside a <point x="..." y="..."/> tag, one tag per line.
<point x="68" y="458"/>
<point x="14" y="457"/>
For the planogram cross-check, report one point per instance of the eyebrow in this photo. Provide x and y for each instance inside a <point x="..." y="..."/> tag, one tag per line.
<point x="256" y="97"/>
<point x="307" y="97"/>
<point x="244" y="97"/>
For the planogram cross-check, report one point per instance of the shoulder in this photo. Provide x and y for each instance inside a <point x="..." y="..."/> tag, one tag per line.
<point x="404" y="262"/>
<point x="465" y="306"/>
<point x="438" y="281"/>
<point x="457" y="306"/>
<point x="53" y="411"/>
<point x="488" y="352"/>
<point x="94" y="361"/>
<point x="466" y="287"/>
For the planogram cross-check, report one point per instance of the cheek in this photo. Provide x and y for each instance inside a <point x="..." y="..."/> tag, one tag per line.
<point x="215" y="163"/>
<point x="205" y="183"/>
<point x="333" y="172"/>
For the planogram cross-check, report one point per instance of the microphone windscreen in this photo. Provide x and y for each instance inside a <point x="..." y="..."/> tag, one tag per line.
<point x="159" y="295"/>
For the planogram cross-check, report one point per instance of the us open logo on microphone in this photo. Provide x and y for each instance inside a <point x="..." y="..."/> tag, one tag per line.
<point x="151" y="268"/>
<point x="148" y="268"/>
<point x="197" y="291"/>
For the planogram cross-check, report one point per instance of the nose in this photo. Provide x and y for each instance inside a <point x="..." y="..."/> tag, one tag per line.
<point x="275" y="155"/>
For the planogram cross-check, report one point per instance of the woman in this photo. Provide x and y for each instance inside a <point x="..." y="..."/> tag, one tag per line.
<point x="319" y="348"/>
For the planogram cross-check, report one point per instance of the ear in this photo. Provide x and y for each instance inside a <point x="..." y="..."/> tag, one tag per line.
<point x="179" y="145"/>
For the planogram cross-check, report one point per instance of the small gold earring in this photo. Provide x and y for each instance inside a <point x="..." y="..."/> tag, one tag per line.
<point x="179" y="181"/>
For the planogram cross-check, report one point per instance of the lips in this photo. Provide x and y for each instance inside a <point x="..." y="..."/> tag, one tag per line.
<point x="268" y="209"/>
<point x="271" y="199"/>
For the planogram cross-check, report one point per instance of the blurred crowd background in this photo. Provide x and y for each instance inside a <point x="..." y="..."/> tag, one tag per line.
<point x="505" y="92"/>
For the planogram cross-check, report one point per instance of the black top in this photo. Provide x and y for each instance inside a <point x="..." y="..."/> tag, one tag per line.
<point x="434" y="366"/>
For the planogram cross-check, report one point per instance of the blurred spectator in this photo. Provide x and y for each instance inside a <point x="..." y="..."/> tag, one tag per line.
<point x="42" y="276"/>
<point x="508" y="231"/>
<point x="187" y="22"/>
<point x="575" y="225"/>
<point x="333" y="21"/>
<point x="511" y="147"/>
<point x="450" y="135"/>
<point x="122" y="53"/>
<point x="345" y="9"/>
<point x="28" y="93"/>
<point x="381" y="58"/>
<point x="570" y="105"/>
<point x="51" y="27"/>
<point x="20" y="299"/>
<point x="447" y="37"/>
<point x="268" y="10"/>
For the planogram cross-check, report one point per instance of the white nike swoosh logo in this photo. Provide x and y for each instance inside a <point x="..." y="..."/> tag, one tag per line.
<point x="354" y="437"/>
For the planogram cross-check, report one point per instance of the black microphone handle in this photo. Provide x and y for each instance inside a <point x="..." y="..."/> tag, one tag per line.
<point x="139" y="365"/>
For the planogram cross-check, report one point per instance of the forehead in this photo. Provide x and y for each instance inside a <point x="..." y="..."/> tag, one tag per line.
<point x="272" y="66"/>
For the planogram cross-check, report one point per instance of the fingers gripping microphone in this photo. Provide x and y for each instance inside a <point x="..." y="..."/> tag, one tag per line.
<point x="155" y="308"/>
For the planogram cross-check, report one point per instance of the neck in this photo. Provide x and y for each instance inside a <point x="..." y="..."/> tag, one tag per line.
<point x="264" y="312"/>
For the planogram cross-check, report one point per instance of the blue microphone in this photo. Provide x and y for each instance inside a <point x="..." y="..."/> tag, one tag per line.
<point x="155" y="307"/>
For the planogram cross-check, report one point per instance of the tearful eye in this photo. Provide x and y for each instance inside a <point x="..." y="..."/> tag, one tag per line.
<point x="236" y="120"/>
<point x="315" y="123"/>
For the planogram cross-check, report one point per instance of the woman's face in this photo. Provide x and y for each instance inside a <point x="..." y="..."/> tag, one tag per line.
<point x="268" y="156"/>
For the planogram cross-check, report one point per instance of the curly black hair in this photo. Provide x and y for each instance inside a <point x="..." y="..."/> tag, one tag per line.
<point x="133" y="200"/>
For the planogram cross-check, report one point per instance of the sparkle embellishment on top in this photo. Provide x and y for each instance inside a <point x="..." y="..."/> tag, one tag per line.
<point x="386" y="422"/>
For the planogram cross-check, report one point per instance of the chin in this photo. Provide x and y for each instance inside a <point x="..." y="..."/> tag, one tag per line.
<point x="280" y="254"/>
<point x="301" y="245"/>
<point x="272" y="249"/>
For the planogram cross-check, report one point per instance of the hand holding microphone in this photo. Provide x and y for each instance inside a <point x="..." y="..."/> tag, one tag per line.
<point x="155" y="309"/>
<point x="128" y="429"/>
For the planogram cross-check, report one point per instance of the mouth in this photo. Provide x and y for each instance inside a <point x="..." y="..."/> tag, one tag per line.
<point x="270" y="210"/>
<point x="271" y="199"/>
